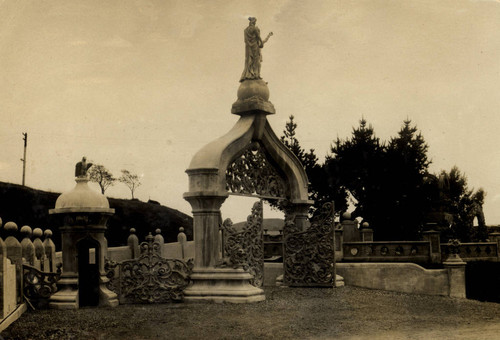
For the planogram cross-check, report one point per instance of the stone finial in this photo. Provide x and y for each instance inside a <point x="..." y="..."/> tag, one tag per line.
<point x="160" y="240"/>
<point x="28" y="249"/>
<point x="14" y="250"/>
<point x="133" y="243"/>
<point x="182" y="239"/>
<point x="39" y="248"/>
<point x="47" y="233"/>
<point x="158" y="237"/>
<point x="365" y="225"/>
<point x="50" y="250"/>
<point x="10" y="228"/>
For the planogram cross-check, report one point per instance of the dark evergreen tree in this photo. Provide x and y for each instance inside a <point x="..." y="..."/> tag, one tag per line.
<point x="321" y="188"/>
<point x="464" y="205"/>
<point x="405" y="193"/>
<point x="357" y="165"/>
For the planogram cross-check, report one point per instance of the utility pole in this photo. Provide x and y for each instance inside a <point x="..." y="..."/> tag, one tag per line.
<point x="25" y="134"/>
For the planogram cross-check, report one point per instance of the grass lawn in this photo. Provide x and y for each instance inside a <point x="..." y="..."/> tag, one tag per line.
<point x="287" y="313"/>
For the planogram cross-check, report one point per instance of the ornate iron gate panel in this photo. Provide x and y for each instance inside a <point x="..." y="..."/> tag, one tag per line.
<point x="309" y="256"/>
<point x="38" y="285"/>
<point x="150" y="278"/>
<point x="245" y="248"/>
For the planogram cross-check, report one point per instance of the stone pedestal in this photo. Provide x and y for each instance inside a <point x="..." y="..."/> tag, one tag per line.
<point x="456" y="276"/>
<point x="222" y="285"/>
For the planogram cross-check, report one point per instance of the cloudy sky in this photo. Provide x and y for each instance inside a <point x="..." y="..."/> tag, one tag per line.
<point x="142" y="85"/>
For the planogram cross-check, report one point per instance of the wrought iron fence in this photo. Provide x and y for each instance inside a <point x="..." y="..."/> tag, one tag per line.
<point x="150" y="278"/>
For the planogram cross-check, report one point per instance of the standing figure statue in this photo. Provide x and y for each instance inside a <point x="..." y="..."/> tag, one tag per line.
<point x="253" y="56"/>
<point x="82" y="167"/>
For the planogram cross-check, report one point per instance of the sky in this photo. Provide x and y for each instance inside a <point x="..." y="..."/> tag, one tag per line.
<point x="142" y="85"/>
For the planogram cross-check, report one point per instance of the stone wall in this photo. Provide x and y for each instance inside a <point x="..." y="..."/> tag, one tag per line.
<point x="397" y="277"/>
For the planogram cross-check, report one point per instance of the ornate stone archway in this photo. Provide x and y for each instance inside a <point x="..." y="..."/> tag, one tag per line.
<point x="215" y="171"/>
<point x="212" y="176"/>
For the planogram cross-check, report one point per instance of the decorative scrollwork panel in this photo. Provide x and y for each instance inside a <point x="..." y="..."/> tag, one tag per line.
<point x="309" y="258"/>
<point x="245" y="248"/>
<point x="38" y="286"/>
<point x="149" y="278"/>
<point x="252" y="173"/>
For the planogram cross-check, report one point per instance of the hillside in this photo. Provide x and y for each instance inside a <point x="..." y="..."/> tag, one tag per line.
<point x="27" y="206"/>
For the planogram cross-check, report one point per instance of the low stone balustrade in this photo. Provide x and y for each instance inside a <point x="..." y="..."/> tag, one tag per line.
<point x="388" y="251"/>
<point x="477" y="251"/>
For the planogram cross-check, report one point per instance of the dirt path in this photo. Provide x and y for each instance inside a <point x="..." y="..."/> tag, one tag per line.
<point x="287" y="313"/>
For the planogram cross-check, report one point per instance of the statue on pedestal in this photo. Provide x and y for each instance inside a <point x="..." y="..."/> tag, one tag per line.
<point x="82" y="167"/>
<point x="253" y="56"/>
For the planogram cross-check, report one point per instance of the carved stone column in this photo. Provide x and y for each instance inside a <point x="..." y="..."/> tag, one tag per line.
<point x="210" y="282"/>
<point x="206" y="219"/>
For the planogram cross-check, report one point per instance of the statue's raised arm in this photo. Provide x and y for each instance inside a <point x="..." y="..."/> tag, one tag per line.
<point x="253" y="56"/>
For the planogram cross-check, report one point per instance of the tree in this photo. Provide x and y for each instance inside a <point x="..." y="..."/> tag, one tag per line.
<point x="319" y="189"/>
<point x="357" y="165"/>
<point x="132" y="181"/>
<point x="385" y="179"/>
<point x="464" y="205"/>
<point x="406" y="170"/>
<point x="100" y="175"/>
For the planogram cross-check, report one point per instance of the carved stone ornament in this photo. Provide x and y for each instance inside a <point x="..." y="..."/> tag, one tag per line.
<point x="245" y="248"/>
<point x="252" y="174"/>
<point x="149" y="278"/>
<point x="309" y="256"/>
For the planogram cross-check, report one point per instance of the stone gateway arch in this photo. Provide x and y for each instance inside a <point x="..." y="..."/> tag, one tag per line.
<point x="225" y="165"/>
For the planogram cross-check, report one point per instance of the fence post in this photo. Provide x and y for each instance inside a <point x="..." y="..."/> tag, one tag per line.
<point x="339" y="241"/>
<point x="160" y="240"/>
<point x="350" y="228"/>
<point x="432" y="236"/>
<point x="133" y="243"/>
<point x="495" y="237"/>
<point x="50" y="250"/>
<point x="181" y="238"/>
<point x="15" y="254"/>
<point x="39" y="249"/>
<point x="28" y="249"/>
<point x="456" y="271"/>
<point x="366" y="232"/>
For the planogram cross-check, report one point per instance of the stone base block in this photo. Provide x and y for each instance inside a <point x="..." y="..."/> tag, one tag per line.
<point x="107" y="298"/>
<point x="222" y="285"/>
<point x="66" y="298"/>
<point x="339" y="281"/>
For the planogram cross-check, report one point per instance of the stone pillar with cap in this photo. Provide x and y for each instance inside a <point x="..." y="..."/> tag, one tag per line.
<point x="366" y="232"/>
<point x="82" y="214"/>
<point x="28" y="249"/>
